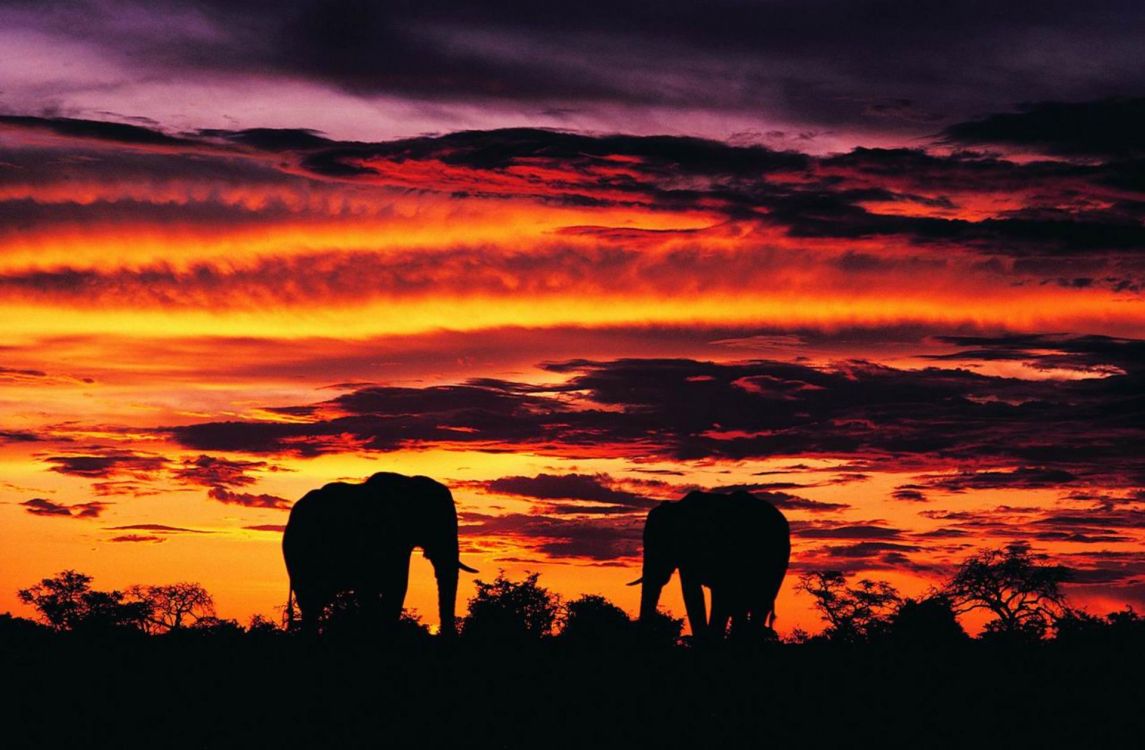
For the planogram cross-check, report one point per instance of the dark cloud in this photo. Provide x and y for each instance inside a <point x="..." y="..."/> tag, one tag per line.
<point x="136" y="538"/>
<point x="157" y="528"/>
<point x="826" y="62"/>
<point x="248" y="499"/>
<point x="784" y="500"/>
<point x="269" y="527"/>
<point x="869" y="549"/>
<point x="20" y="436"/>
<point x="96" y="130"/>
<point x="688" y="410"/>
<point x="19" y="375"/>
<point x="1107" y="127"/>
<point x="1024" y="477"/>
<point x="598" y="488"/>
<point x="594" y="539"/>
<point x="1106" y="566"/>
<point x="39" y="506"/>
<point x="108" y="464"/>
<point x="213" y="471"/>
<point x="813" y="199"/>
<point x="848" y="531"/>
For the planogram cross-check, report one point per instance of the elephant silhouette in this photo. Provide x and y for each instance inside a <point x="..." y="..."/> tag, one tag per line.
<point x="358" y="538"/>
<point x="737" y="545"/>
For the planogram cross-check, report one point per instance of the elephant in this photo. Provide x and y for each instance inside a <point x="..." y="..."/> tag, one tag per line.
<point x="358" y="538"/>
<point x="738" y="545"/>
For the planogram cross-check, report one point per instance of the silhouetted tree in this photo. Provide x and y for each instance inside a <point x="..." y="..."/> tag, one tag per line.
<point x="1122" y="628"/>
<point x="593" y="619"/>
<point x="930" y="621"/>
<point x="173" y="604"/>
<point x="348" y="616"/>
<point x="215" y="627"/>
<point x="261" y="625"/>
<point x="506" y="610"/>
<point x="14" y="629"/>
<point x="1024" y="595"/>
<point x="67" y="601"/>
<point x="853" y="613"/>
<point x="662" y="629"/>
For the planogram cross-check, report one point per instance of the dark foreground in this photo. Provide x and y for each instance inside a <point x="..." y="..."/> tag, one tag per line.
<point x="279" y="692"/>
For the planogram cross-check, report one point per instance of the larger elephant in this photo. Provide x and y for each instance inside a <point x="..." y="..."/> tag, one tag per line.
<point x="358" y="538"/>
<point x="737" y="545"/>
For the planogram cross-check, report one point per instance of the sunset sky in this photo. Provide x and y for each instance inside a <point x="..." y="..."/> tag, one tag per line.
<point x="881" y="263"/>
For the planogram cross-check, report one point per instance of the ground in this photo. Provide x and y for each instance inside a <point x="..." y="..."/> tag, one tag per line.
<point x="277" y="692"/>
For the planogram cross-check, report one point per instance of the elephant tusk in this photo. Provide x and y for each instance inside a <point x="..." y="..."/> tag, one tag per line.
<point x="637" y="582"/>
<point x="466" y="568"/>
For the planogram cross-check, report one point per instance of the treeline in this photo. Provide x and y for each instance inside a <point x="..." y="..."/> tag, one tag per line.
<point x="1021" y="592"/>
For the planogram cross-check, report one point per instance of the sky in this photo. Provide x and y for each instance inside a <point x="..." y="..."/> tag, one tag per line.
<point x="880" y="263"/>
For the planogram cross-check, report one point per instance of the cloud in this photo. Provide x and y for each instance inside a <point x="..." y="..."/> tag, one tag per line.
<point x="598" y="488"/>
<point x="1106" y="127"/>
<point x="909" y="492"/>
<point x="107" y="463"/>
<point x="848" y="531"/>
<point x="212" y="471"/>
<point x="598" y="539"/>
<point x="869" y="549"/>
<point x="97" y="130"/>
<point x="250" y="500"/>
<point x="1023" y="477"/>
<point x="157" y="528"/>
<point x="784" y="500"/>
<point x="20" y="436"/>
<point x="931" y="418"/>
<point x="136" y="538"/>
<point x="822" y="64"/>
<point x="39" y="506"/>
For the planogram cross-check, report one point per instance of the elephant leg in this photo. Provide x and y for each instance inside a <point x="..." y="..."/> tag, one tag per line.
<point x="371" y="609"/>
<point x="741" y="624"/>
<point x="309" y="609"/>
<point x="762" y="615"/>
<point x="394" y="594"/>
<point x="694" y="604"/>
<point x="720" y="614"/>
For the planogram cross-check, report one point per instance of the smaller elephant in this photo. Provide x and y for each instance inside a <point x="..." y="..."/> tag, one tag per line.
<point x="357" y="539"/>
<point x="737" y="545"/>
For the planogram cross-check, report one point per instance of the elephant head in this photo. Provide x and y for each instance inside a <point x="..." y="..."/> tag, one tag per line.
<point x="661" y="555"/>
<point x="429" y="518"/>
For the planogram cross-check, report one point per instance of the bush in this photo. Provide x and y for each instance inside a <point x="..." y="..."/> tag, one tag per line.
<point x="512" y="611"/>
<point x="592" y="619"/>
<point x="67" y="602"/>
<point x="925" y="622"/>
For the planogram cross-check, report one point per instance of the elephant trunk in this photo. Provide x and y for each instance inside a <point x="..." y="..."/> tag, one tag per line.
<point x="446" y="573"/>
<point x="649" y="599"/>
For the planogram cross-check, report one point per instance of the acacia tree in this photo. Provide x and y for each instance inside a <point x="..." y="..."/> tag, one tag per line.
<point x="1024" y="595"/>
<point x="174" y="605"/>
<point x="66" y="601"/>
<point x="853" y="613"/>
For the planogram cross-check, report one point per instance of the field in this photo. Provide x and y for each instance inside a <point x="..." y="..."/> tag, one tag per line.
<point x="276" y="691"/>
